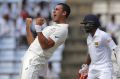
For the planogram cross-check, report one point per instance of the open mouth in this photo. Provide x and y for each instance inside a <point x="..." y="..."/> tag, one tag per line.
<point x="54" y="15"/>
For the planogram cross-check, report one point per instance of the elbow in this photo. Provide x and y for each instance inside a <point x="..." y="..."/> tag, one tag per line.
<point x="44" y="47"/>
<point x="47" y="46"/>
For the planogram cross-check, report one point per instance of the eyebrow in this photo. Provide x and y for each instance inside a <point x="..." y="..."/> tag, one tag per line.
<point x="55" y="8"/>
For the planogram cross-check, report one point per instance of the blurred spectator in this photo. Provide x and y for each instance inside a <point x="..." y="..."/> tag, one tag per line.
<point x="45" y="10"/>
<point x="113" y="28"/>
<point x="56" y="59"/>
<point x="30" y="9"/>
<point x="21" y="28"/>
<point x="4" y="9"/>
<point x="6" y="26"/>
<point x="15" y="11"/>
<point x="102" y="26"/>
<point x="50" y="73"/>
<point x="41" y="8"/>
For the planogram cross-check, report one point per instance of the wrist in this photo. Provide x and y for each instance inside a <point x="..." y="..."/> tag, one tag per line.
<point x="38" y="28"/>
<point x="28" y="26"/>
<point x="85" y="67"/>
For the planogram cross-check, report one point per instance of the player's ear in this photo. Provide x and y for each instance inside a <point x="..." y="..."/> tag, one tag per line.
<point x="64" y="13"/>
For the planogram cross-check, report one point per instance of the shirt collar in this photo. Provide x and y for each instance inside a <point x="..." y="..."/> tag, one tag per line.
<point x="66" y="25"/>
<point x="62" y="24"/>
<point x="96" y="33"/>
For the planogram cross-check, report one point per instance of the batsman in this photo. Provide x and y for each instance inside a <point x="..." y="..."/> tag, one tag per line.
<point x="98" y="63"/>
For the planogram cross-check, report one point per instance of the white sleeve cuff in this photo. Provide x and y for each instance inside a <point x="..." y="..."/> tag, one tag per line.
<point x="38" y="28"/>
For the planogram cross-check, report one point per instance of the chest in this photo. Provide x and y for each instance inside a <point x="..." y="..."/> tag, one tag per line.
<point x="49" y="30"/>
<point x="96" y="42"/>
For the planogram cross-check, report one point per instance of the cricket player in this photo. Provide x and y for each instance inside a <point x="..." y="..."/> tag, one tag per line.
<point x="42" y="47"/>
<point x="100" y="48"/>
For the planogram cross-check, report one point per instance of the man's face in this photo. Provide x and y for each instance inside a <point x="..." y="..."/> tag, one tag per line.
<point x="58" y="13"/>
<point x="88" y="26"/>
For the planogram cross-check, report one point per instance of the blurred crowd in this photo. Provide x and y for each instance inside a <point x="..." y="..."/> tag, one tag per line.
<point x="112" y="27"/>
<point x="13" y="15"/>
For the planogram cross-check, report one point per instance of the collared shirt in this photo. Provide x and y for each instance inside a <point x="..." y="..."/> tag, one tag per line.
<point x="57" y="32"/>
<point x="100" y="47"/>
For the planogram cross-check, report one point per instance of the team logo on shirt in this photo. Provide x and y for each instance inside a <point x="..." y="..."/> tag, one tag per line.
<point x="56" y="37"/>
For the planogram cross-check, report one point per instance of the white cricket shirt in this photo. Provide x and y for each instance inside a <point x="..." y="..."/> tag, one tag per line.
<point x="100" y="47"/>
<point x="58" y="33"/>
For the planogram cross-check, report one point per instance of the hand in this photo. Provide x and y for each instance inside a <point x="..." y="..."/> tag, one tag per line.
<point x="84" y="68"/>
<point x="83" y="76"/>
<point x="28" y="22"/>
<point x="40" y="21"/>
<point x="83" y="73"/>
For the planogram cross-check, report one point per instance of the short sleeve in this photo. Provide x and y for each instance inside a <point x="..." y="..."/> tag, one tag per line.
<point x="59" y="36"/>
<point x="109" y="42"/>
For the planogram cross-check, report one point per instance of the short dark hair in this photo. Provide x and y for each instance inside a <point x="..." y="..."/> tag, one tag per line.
<point x="65" y="8"/>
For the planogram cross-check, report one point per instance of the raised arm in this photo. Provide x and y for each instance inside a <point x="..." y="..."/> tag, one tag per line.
<point x="44" y="42"/>
<point x="30" y="37"/>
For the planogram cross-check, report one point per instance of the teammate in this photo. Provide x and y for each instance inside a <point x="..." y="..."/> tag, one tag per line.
<point x="100" y="47"/>
<point x="47" y="40"/>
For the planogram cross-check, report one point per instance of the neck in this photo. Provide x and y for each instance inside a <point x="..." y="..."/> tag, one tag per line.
<point x="62" y="21"/>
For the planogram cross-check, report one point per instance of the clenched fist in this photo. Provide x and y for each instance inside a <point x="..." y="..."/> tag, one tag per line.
<point x="40" y="21"/>
<point x="28" y="22"/>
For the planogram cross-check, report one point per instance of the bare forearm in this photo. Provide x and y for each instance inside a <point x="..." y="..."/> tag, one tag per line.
<point x="44" y="42"/>
<point x="88" y="60"/>
<point x="30" y="37"/>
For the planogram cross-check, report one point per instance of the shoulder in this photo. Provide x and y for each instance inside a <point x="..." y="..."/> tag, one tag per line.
<point x="104" y="35"/>
<point x="61" y="28"/>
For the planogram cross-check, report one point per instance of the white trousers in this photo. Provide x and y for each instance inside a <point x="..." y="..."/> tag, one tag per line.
<point x="100" y="72"/>
<point x="33" y="66"/>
